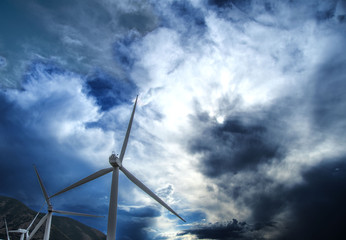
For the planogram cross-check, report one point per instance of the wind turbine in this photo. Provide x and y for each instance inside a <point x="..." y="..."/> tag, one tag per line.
<point x="116" y="163"/>
<point x="48" y="217"/>
<point x="25" y="232"/>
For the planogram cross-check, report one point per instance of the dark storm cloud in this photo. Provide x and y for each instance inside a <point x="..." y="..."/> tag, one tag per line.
<point x="242" y="142"/>
<point x="315" y="207"/>
<point x="266" y="206"/>
<point x="231" y="230"/>
<point x="318" y="204"/>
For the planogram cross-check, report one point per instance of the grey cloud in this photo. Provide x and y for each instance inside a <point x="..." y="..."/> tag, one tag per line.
<point x="78" y="36"/>
<point x="315" y="207"/>
<point x="242" y="142"/>
<point x="230" y="230"/>
<point x="328" y="92"/>
<point x="141" y="21"/>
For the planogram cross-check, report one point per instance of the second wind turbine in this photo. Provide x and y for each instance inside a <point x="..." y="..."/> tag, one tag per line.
<point x="116" y="163"/>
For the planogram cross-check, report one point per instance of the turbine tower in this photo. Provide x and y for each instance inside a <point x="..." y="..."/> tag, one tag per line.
<point x="48" y="217"/>
<point x="116" y="163"/>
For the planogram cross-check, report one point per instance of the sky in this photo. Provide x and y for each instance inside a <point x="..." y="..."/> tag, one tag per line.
<point x="240" y="123"/>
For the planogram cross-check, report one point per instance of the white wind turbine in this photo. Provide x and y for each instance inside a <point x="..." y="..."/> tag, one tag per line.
<point x="48" y="217"/>
<point x="116" y="163"/>
<point x="25" y="232"/>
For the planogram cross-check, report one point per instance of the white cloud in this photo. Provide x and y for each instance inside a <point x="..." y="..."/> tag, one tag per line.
<point x="58" y="109"/>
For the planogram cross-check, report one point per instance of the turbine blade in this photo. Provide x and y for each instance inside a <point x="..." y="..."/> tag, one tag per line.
<point x="76" y="214"/>
<point x="8" y="235"/>
<point x="42" y="187"/>
<point x="123" y="149"/>
<point x="85" y="180"/>
<point x="38" y="226"/>
<point x="148" y="191"/>
<point x="113" y="202"/>
<point x="32" y="222"/>
<point x="18" y="231"/>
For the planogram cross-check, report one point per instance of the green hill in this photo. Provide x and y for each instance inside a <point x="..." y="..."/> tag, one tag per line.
<point x="63" y="228"/>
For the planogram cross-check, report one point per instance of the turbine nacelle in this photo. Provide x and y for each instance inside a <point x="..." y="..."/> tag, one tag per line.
<point x="50" y="208"/>
<point x="115" y="161"/>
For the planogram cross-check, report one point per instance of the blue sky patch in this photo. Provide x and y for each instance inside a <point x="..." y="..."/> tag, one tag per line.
<point x="109" y="91"/>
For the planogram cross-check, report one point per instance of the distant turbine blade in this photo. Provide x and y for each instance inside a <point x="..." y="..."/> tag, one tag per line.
<point x="38" y="226"/>
<point x="148" y="191"/>
<point x="8" y="235"/>
<point x="85" y="180"/>
<point x="77" y="214"/>
<point x="113" y="202"/>
<point x="35" y="218"/>
<point x="42" y="187"/>
<point x="17" y="231"/>
<point x="123" y="149"/>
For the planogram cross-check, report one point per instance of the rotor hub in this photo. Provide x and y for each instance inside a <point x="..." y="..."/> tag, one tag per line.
<point x="114" y="160"/>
